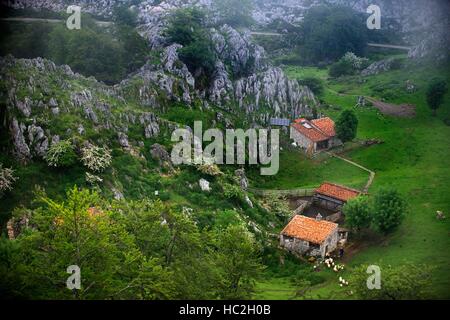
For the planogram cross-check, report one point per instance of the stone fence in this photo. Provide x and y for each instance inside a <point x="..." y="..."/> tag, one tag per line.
<point x="287" y="193"/>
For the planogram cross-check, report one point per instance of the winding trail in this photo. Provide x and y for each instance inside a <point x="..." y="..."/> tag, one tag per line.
<point x="371" y="173"/>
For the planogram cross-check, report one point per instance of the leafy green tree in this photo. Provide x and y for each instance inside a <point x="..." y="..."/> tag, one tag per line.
<point x="238" y="263"/>
<point x="389" y="210"/>
<point x="435" y="94"/>
<point x="187" y="27"/>
<point x="80" y="232"/>
<point x="402" y="282"/>
<point x="328" y="32"/>
<point x="175" y="241"/>
<point x="357" y="213"/>
<point x="236" y="13"/>
<point x="347" y="126"/>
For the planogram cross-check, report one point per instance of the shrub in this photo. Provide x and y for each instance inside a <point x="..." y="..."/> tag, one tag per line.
<point x="231" y="191"/>
<point x="357" y="62"/>
<point x="341" y="68"/>
<point x="435" y="94"/>
<point x="315" y="84"/>
<point x="347" y="126"/>
<point x="7" y="179"/>
<point x="61" y="154"/>
<point x="95" y="158"/>
<point x="349" y="64"/>
<point x="210" y="169"/>
<point x="397" y="63"/>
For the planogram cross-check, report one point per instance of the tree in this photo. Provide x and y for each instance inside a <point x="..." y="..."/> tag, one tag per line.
<point x="357" y="213"/>
<point x="388" y="210"/>
<point x="347" y="126"/>
<point x="402" y="282"/>
<point x="81" y="231"/>
<point x="237" y="261"/>
<point x="187" y="27"/>
<point x="236" y="13"/>
<point x="435" y="94"/>
<point x="328" y="32"/>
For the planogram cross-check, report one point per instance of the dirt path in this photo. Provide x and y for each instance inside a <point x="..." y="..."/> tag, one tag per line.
<point x="402" y="110"/>
<point x="371" y="173"/>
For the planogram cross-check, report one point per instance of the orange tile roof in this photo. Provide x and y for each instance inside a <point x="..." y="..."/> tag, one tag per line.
<point x="338" y="192"/>
<point x="321" y="129"/>
<point x="326" y="125"/>
<point x="309" y="229"/>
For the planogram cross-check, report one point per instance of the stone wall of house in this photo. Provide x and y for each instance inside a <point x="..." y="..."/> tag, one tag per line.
<point x="330" y="244"/>
<point x="300" y="139"/>
<point x="294" y="245"/>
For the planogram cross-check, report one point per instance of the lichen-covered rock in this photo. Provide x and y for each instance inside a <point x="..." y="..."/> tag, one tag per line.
<point x="378" y="67"/>
<point x="242" y="178"/>
<point x="123" y="140"/>
<point x="160" y="154"/>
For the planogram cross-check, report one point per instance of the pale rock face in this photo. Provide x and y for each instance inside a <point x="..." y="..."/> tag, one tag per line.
<point x="248" y="201"/>
<point x="21" y="149"/>
<point x="37" y="138"/>
<point x="243" y="181"/>
<point x="204" y="185"/>
<point x="117" y="194"/>
<point x="377" y="67"/>
<point x="123" y="140"/>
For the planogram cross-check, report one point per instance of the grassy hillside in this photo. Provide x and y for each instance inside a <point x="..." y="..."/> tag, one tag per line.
<point x="414" y="158"/>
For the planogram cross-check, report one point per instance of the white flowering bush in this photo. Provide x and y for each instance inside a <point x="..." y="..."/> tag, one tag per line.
<point x="210" y="170"/>
<point x="7" y="179"/>
<point x="357" y="62"/>
<point x="96" y="158"/>
<point x="61" y="154"/>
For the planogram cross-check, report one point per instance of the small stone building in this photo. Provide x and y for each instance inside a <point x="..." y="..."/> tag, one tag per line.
<point x="314" y="135"/>
<point x="333" y="196"/>
<point x="304" y="235"/>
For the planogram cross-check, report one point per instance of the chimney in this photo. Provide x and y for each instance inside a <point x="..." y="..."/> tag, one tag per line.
<point x="318" y="217"/>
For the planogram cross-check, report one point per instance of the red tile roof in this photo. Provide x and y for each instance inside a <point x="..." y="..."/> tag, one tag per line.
<point x="309" y="229"/>
<point x="319" y="129"/>
<point x="326" y="125"/>
<point x="338" y="192"/>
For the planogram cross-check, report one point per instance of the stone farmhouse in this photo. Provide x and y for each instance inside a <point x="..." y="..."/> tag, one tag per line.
<point x="333" y="196"/>
<point x="314" y="237"/>
<point x="315" y="135"/>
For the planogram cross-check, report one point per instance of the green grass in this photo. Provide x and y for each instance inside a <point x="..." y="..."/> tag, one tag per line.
<point x="298" y="171"/>
<point x="415" y="159"/>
